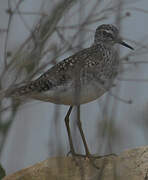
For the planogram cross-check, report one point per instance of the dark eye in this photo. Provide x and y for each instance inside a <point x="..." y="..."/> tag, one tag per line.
<point x="107" y="34"/>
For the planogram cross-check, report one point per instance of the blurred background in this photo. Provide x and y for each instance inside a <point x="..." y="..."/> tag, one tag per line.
<point x="35" y="35"/>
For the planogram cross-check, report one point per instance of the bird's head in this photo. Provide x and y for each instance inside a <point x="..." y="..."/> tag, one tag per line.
<point x="109" y="34"/>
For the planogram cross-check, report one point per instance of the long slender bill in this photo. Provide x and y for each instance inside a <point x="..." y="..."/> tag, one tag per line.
<point x="126" y="45"/>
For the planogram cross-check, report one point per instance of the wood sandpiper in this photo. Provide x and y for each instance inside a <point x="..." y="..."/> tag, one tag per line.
<point x="80" y="78"/>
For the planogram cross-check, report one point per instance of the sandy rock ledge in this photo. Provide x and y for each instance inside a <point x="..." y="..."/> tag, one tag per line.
<point x="130" y="165"/>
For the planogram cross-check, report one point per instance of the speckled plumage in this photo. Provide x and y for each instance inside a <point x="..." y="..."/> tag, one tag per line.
<point x="82" y="77"/>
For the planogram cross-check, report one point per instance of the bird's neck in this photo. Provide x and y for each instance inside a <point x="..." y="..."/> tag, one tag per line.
<point x="103" y="45"/>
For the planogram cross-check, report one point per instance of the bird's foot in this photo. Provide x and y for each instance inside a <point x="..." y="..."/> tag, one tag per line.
<point x="88" y="155"/>
<point x="73" y="154"/>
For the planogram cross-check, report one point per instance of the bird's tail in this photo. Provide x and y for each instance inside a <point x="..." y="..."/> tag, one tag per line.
<point x="19" y="91"/>
<point x="6" y="92"/>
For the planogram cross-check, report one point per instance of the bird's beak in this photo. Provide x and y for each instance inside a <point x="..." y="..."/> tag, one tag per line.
<point x="125" y="44"/>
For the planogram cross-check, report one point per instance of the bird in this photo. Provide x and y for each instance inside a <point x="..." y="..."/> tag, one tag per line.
<point x="81" y="78"/>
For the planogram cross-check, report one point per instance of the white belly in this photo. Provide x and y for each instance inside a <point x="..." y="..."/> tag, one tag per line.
<point x="68" y="96"/>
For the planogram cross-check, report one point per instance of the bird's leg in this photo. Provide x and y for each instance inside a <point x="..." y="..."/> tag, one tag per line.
<point x="88" y="154"/>
<point x="82" y="133"/>
<point x="72" y="151"/>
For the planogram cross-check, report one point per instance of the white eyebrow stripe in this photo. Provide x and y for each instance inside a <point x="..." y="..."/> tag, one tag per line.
<point x="109" y="31"/>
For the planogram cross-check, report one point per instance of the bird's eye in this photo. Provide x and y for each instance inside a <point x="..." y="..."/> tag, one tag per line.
<point x="109" y="35"/>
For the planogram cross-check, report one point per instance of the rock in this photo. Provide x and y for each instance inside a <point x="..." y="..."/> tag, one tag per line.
<point x="130" y="165"/>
